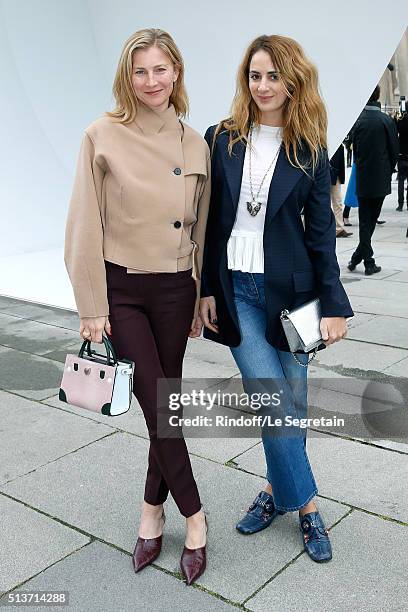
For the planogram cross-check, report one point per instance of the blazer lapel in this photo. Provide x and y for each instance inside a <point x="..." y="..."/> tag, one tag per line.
<point x="284" y="179"/>
<point x="233" y="166"/>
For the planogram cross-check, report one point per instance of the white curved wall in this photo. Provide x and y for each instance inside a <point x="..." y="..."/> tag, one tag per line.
<point x="57" y="63"/>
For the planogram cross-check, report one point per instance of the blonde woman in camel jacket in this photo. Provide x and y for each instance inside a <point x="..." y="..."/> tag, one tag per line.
<point x="133" y="250"/>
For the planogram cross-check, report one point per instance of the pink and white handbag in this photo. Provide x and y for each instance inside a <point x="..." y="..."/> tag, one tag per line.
<point x="100" y="383"/>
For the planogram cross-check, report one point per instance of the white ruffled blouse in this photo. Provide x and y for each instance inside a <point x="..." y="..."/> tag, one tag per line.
<point x="245" y="245"/>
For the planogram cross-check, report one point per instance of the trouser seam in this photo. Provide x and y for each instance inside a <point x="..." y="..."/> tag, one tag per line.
<point x="256" y="288"/>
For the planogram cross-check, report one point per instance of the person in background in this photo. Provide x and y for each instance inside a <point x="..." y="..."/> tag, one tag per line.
<point x="375" y="147"/>
<point x="346" y="214"/>
<point x="338" y="175"/>
<point x="402" y="130"/>
<point x="348" y="144"/>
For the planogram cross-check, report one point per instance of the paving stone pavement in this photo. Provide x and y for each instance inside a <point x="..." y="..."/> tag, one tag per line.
<point x="97" y="578"/>
<point x="71" y="481"/>
<point x="31" y="542"/>
<point x="353" y="579"/>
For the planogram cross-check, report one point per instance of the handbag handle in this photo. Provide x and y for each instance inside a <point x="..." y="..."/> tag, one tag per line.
<point x="110" y="351"/>
<point x="304" y="365"/>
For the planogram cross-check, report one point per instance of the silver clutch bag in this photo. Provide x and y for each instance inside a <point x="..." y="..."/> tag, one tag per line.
<point x="302" y="328"/>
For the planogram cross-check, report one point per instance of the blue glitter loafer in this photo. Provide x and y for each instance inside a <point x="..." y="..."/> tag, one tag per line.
<point x="315" y="537"/>
<point x="260" y="514"/>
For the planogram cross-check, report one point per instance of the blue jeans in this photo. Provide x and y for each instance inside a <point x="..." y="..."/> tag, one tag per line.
<point x="288" y="468"/>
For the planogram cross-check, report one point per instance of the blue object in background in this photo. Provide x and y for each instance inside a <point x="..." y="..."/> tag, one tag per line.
<point x="350" y="198"/>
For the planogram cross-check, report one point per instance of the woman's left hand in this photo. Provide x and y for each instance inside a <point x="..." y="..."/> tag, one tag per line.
<point x="333" y="329"/>
<point x="196" y="327"/>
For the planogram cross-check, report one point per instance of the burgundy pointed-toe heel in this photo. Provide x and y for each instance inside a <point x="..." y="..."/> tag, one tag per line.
<point x="147" y="550"/>
<point x="193" y="561"/>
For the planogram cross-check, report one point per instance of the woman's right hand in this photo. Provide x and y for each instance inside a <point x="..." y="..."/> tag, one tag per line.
<point x="208" y="313"/>
<point x="91" y="328"/>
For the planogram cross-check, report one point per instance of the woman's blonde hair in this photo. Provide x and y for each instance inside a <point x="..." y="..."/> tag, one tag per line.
<point x="304" y="113"/>
<point x="126" y="102"/>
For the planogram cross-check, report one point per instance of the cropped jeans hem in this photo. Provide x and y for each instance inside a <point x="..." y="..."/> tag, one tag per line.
<point x="293" y="508"/>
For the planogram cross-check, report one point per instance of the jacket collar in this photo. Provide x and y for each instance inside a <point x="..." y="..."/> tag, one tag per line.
<point x="284" y="178"/>
<point x="182" y="141"/>
<point x="152" y="122"/>
<point x="373" y="105"/>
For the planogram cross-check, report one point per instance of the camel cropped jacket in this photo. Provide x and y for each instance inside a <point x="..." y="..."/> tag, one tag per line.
<point x="140" y="199"/>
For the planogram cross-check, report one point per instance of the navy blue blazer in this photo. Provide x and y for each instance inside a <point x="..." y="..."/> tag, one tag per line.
<point x="299" y="263"/>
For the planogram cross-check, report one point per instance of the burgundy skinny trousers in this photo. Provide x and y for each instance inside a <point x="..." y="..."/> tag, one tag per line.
<point x="150" y="316"/>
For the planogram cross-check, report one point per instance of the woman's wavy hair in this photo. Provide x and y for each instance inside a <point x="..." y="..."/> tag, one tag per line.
<point x="304" y="113"/>
<point x="126" y="102"/>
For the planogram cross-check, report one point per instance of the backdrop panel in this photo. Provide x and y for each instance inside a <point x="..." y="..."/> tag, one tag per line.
<point x="57" y="64"/>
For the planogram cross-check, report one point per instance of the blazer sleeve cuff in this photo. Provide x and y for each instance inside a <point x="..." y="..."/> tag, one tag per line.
<point x="206" y="290"/>
<point x="197" y="302"/>
<point x="336" y="307"/>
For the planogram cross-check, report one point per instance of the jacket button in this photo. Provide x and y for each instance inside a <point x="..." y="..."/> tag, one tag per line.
<point x="177" y="224"/>
<point x="177" y="171"/>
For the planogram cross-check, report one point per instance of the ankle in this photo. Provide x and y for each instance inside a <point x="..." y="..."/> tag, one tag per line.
<point x="151" y="511"/>
<point x="195" y="519"/>
<point x="309" y="507"/>
<point x="196" y="531"/>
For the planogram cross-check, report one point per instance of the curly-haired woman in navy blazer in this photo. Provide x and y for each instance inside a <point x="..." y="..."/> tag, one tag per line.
<point x="269" y="165"/>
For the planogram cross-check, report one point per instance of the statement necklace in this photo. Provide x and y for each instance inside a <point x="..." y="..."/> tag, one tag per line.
<point x="254" y="206"/>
